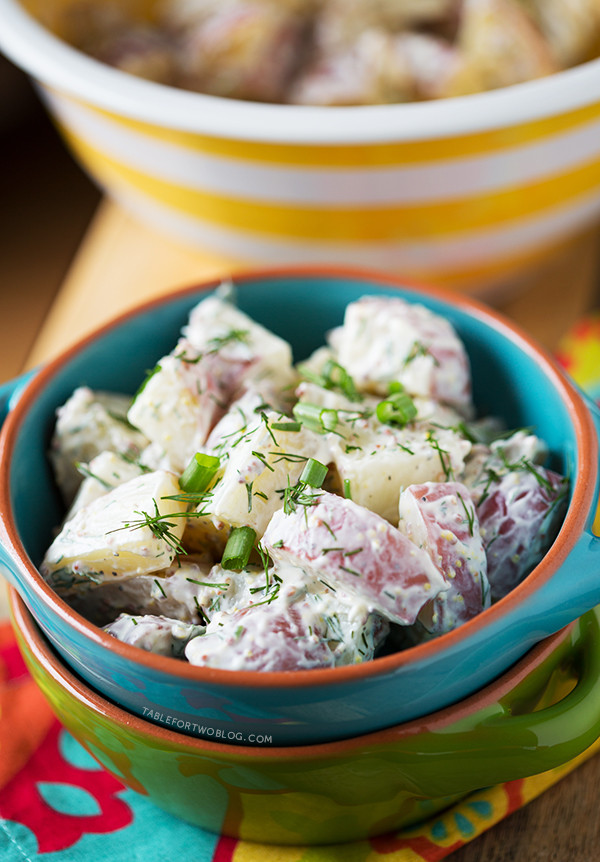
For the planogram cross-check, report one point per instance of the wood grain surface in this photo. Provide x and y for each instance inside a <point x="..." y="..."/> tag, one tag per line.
<point x="122" y="263"/>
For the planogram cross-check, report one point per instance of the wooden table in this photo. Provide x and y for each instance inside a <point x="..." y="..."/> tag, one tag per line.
<point x="121" y="263"/>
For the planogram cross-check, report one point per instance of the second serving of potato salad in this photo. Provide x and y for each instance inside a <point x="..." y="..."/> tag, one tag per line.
<point x="336" y="52"/>
<point x="247" y="513"/>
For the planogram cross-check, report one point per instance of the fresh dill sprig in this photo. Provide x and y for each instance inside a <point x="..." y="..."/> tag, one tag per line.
<point x="159" y="525"/>
<point x="263" y="459"/>
<point x="419" y="349"/>
<point x="88" y="474"/>
<point x="469" y="513"/>
<point x="265" y="421"/>
<point x="444" y="455"/>
<point x="216" y="584"/>
<point x="297" y="495"/>
<point x="292" y="457"/>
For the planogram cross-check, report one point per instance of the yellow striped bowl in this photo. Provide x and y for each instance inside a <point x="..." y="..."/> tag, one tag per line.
<point x="468" y="191"/>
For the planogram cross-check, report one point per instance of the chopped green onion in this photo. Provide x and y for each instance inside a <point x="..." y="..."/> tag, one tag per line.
<point x="238" y="548"/>
<point x="314" y="473"/>
<point x="286" y="426"/>
<point x="336" y="377"/>
<point x="347" y="489"/>
<point x="308" y="374"/>
<point x="316" y="418"/>
<point x="398" y="409"/>
<point x="395" y="386"/>
<point x="329" y="418"/>
<point x="199" y="473"/>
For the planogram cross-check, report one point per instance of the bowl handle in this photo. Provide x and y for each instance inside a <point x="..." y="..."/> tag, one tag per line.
<point x="502" y="745"/>
<point x="10" y="392"/>
<point x="594" y="516"/>
<point x="575" y="587"/>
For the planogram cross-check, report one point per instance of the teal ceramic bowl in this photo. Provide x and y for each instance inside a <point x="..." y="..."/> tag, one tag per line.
<point x="541" y="713"/>
<point x="512" y="377"/>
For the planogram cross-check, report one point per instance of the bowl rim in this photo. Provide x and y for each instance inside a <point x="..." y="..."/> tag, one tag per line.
<point x="57" y="65"/>
<point x="485" y="697"/>
<point x="583" y="492"/>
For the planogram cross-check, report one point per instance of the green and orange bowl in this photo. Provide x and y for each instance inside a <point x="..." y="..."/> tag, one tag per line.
<point x="513" y="378"/>
<point x="540" y="714"/>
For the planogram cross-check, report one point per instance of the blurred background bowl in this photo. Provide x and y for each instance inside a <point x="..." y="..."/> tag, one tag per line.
<point x="513" y="378"/>
<point x="539" y="715"/>
<point x="472" y="192"/>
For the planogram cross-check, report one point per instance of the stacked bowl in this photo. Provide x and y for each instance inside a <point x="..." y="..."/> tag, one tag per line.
<point x="508" y="693"/>
<point x="537" y="716"/>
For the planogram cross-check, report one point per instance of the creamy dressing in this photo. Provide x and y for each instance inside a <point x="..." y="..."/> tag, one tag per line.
<point x="423" y="515"/>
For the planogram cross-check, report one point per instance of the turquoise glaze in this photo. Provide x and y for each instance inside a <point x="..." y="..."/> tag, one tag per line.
<point x="511" y="378"/>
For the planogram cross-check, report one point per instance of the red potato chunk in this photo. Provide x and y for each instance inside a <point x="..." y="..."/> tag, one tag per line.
<point x="486" y="464"/>
<point x="440" y="517"/>
<point x="284" y="635"/>
<point x="346" y="546"/>
<point x="519" y="518"/>
<point x="386" y="339"/>
<point x="340" y="22"/>
<point x="221" y="352"/>
<point x="245" y="49"/>
<point x="140" y="50"/>
<point x="218" y="375"/>
<point x="369" y="71"/>
<point x="498" y="45"/>
<point x="157" y="634"/>
<point x="376" y="68"/>
<point x="182" y="401"/>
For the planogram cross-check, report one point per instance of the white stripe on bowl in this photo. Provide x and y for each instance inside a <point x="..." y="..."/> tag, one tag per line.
<point x="451" y="179"/>
<point x="432" y="258"/>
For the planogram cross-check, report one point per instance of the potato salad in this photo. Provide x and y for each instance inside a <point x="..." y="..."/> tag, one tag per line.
<point x="336" y="52"/>
<point x="244" y="512"/>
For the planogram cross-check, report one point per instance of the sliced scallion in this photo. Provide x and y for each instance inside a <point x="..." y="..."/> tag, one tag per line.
<point x="336" y="377"/>
<point x="238" y="548"/>
<point x="314" y="473"/>
<point x="286" y="426"/>
<point x="199" y="473"/>
<point x="316" y="418"/>
<point x="397" y="409"/>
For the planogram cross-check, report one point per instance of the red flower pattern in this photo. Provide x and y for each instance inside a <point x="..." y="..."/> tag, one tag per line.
<point x="22" y="802"/>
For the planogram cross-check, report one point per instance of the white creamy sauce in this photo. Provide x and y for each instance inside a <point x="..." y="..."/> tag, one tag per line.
<point x="424" y="511"/>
